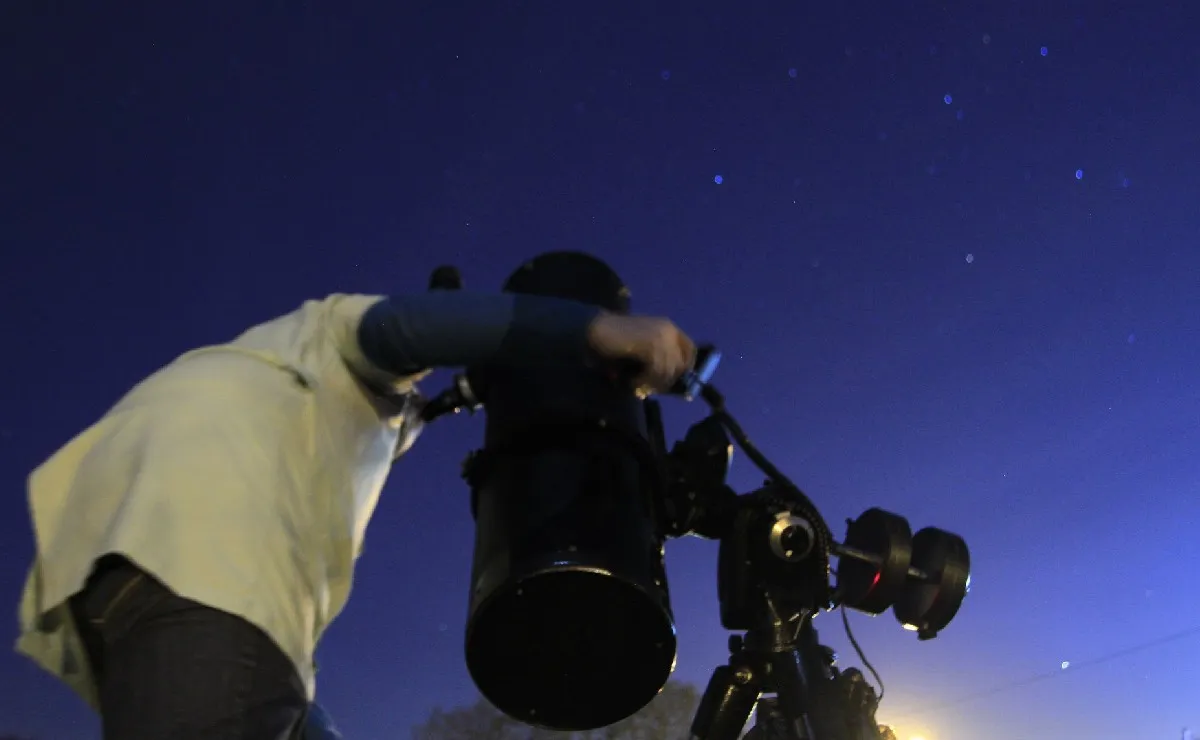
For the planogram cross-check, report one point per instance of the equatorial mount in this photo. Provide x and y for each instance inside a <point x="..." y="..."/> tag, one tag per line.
<point x="773" y="579"/>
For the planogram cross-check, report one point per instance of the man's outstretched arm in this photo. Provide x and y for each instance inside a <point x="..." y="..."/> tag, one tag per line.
<point x="386" y="340"/>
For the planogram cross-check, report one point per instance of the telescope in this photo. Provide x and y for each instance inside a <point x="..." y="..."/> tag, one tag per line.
<point x="574" y="495"/>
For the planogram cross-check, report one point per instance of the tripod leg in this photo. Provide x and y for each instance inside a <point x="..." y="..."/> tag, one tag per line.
<point x="803" y="685"/>
<point x="727" y="703"/>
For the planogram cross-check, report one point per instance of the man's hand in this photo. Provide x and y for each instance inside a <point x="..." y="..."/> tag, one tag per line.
<point x="658" y="349"/>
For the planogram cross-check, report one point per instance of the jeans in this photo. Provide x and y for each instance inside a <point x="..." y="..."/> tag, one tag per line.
<point x="168" y="667"/>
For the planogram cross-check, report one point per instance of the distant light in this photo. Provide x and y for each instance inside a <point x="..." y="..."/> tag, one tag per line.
<point x="1078" y="174"/>
<point x="1044" y="51"/>
<point x="792" y="72"/>
<point x="959" y="114"/>
<point x="1124" y="182"/>
<point x="970" y="258"/>
<point x="718" y="179"/>
<point x="987" y="38"/>
<point x="1066" y="664"/>
<point x="948" y="99"/>
<point x="665" y="74"/>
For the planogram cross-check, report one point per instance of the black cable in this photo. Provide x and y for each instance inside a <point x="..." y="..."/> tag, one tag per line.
<point x="861" y="655"/>
<point x="1047" y="675"/>
<point x="716" y="402"/>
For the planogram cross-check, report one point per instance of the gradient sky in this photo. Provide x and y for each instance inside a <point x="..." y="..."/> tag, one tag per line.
<point x="951" y="255"/>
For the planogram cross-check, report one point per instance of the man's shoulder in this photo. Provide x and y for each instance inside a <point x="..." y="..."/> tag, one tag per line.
<point x="334" y="317"/>
<point x="348" y="305"/>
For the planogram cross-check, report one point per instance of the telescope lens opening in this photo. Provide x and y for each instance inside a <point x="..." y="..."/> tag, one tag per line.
<point x="570" y="649"/>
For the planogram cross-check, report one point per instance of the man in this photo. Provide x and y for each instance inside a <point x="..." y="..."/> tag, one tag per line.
<point x="194" y="544"/>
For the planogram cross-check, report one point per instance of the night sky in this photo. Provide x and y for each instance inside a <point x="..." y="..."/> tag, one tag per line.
<point x="951" y="256"/>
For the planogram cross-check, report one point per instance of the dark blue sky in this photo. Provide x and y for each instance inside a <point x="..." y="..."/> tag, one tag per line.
<point x="952" y="256"/>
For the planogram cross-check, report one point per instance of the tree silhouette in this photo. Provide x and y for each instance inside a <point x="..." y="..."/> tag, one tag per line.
<point x="667" y="717"/>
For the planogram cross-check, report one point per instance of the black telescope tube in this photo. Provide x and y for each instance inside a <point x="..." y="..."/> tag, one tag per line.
<point x="569" y="625"/>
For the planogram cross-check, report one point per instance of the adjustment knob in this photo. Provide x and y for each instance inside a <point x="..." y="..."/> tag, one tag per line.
<point x="792" y="537"/>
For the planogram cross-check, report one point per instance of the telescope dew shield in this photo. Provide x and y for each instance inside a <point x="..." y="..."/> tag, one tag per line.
<point x="569" y="624"/>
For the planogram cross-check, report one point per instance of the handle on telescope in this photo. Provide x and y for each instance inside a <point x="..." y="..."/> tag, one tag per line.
<point x="457" y="397"/>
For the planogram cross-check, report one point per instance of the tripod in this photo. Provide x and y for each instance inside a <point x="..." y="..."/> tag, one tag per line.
<point x="812" y="699"/>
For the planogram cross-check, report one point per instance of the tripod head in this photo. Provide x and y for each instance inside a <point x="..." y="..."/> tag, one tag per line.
<point x="574" y="495"/>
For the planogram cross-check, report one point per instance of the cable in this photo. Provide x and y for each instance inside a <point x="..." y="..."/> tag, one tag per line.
<point x="801" y="503"/>
<point x="1039" y="677"/>
<point x="861" y="655"/>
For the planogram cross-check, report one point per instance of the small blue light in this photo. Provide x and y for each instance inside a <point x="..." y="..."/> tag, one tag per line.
<point x="718" y="179"/>
<point x="792" y="73"/>
<point x="1124" y="182"/>
<point x="665" y="74"/>
<point x="1078" y="174"/>
<point x="1043" y="51"/>
<point x="948" y="99"/>
<point x="959" y="114"/>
